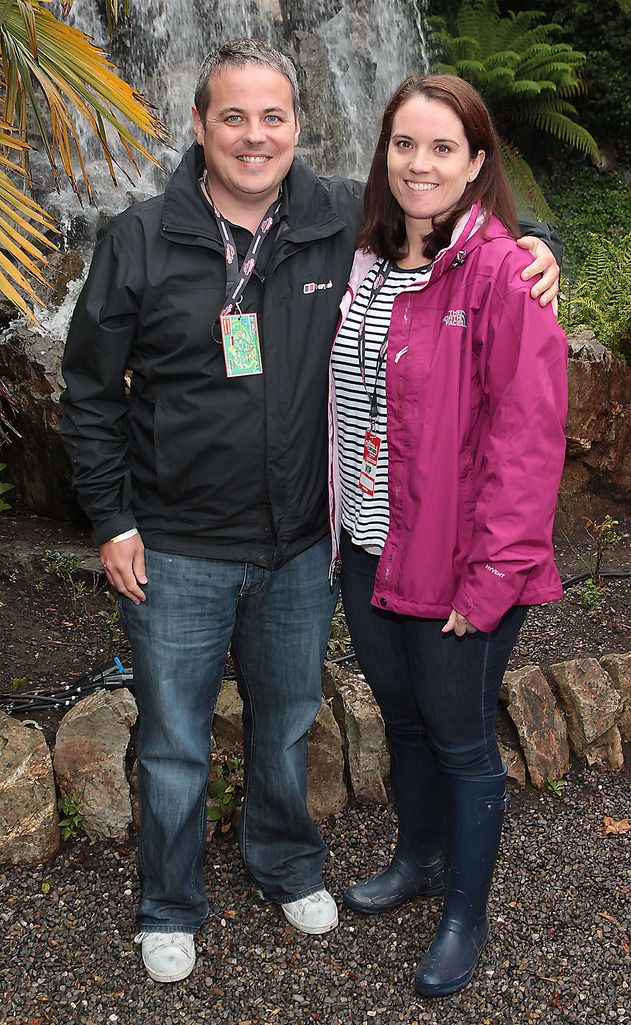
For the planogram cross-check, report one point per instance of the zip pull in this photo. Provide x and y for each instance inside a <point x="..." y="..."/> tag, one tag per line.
<point x="400" y="353"/>
<point x="459" y="258"/>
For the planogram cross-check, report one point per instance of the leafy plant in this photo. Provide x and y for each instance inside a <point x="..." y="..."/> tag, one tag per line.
<point x="72" y="816"/>
<point x="590" y="595"/>
<point x="525" y="76"/>
<point x="45" y="60"/>
<point x="600" y="297"/>
<point x="65" y="566"/>
<point x="587" y="201"/>
<point x="603" y="32"/>
<point x="111" y="620"/>
<point x="225" y="789"/>
<point x="4" y="487"/>
<point x="18" y="683"/>
<point x="604" y="535"/>
<point x="556" y="786"/>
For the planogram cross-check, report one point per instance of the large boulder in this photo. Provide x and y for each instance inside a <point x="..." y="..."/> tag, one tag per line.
<point x="539" y="723"/>
<point x="89" y="760"/>
<point x="363" y="732"/>
<point x="592" y="706"/>
<point x="326" y="787"/>
<point x="619" y="669"/>
<point x="598" y="465"/>
<point x="29" y="830"/>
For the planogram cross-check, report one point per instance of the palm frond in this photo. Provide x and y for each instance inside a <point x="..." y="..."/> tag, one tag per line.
<point x="74" y="76"/>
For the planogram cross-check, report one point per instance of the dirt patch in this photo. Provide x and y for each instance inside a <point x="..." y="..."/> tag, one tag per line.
<point x="57" y="626"/>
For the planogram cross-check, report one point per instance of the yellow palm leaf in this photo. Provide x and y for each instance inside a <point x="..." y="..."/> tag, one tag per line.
<point x="51" y="73"/>
<point x="75" y="77"/>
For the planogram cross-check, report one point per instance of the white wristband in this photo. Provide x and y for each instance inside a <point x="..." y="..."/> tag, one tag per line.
<point x="123" y="537"/>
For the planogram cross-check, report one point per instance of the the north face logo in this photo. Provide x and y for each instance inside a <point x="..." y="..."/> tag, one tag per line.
<point x="455" y="318"/>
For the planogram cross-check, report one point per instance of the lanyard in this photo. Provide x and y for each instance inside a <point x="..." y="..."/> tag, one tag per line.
<point x="237" y="280"/>
<point x="380" y="279"/>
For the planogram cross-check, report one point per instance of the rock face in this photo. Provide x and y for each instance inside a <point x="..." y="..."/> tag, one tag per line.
<point x="29" y="830"/>
<point x="592" y="706"/>
<point x="540" y="725"/>
<point x="598" y="465"/>
<point x="619" y="669"/>
<point x="361" y="726"/>
<point x="89" y="760"/>
<point x="326" y="787"/>
<point x="30" y="364"/>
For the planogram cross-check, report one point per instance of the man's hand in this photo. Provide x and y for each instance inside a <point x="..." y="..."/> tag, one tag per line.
<point x="124" y="563"/>
<point x="546" y="287"/>
<point x="458" y="624"/>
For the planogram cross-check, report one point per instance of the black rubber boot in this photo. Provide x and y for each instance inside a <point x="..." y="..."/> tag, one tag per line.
<point x="417" y="866"/>
<point x="476" y="813"/>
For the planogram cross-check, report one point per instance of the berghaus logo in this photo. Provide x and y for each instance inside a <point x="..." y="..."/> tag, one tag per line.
<point x="313" y="286"/>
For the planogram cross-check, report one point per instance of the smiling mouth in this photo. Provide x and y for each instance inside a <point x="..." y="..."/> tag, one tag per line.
<point x="253" y="160"/>
<point x="421" y="186"/>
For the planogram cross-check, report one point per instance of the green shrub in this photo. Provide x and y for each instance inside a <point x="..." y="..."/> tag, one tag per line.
<point x="600" y="297"/>
<point x="586" y="200"/>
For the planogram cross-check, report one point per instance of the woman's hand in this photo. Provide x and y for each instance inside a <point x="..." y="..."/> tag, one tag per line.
<point x="458" y="624"/>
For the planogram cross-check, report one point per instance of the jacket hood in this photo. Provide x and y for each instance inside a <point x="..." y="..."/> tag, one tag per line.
<point x="311" y="214"/>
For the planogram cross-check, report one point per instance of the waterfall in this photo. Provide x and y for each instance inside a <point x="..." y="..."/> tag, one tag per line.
<point x="350" y="54"/>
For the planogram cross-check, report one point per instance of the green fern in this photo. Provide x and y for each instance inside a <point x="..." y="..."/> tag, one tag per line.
<point x="525" y="76"/>
<point x="600" y="298"/>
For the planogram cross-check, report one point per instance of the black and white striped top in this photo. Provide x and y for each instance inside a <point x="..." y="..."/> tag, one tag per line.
<point x="365" y="517"/>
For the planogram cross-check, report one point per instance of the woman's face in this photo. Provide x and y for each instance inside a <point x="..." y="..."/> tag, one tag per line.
<point x="429" y="163"/>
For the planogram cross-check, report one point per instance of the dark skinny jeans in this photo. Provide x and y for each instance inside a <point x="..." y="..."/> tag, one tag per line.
<point x="431" y="687"/>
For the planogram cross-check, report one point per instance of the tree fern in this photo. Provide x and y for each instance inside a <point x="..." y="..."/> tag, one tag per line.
<point x="528" y="194"/>
<point x="600" y="297"/>
<point x="524" y="74"/>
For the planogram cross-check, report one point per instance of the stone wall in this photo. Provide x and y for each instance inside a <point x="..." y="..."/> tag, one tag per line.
<point x="589" y="716"/>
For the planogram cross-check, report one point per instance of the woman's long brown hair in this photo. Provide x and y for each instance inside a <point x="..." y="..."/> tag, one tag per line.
<point x="383" y="229"/>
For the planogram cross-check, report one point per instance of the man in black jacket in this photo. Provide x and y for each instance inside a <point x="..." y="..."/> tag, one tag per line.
<point x="206" y="485"/>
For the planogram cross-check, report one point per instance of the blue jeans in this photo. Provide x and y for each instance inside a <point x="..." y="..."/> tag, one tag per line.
<point x="432" y="688"/>
<point x="278" y="622"/>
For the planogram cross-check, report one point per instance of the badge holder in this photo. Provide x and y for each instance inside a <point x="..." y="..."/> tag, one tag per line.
<point x="241" y="344"/>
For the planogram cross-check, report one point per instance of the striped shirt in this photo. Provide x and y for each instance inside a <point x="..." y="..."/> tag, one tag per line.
<point x="365" y="517"/>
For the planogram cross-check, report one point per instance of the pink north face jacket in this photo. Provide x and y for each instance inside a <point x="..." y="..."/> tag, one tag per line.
<point x="476" y="392"/>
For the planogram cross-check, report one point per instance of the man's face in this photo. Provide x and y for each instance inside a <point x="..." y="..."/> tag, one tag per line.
<point x="248" y="135"/>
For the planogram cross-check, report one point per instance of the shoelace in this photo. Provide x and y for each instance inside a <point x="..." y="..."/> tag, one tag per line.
<point x="170" y="939"/>
<point x="313" y="898"/>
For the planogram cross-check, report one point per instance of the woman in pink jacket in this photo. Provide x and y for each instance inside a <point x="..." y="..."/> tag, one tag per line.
<point x="448" y="402"/>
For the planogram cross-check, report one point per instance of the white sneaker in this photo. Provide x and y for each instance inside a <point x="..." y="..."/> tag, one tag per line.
<point x="167" y="956"/>
<point x="314" y="914"/>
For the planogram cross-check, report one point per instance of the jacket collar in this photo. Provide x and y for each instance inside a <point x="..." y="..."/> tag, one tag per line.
<point x="470" y="232"/>
<point x="309" y="214"/>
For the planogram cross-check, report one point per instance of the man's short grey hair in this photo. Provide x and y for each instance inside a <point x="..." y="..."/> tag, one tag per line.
<point x="238" y="53"/>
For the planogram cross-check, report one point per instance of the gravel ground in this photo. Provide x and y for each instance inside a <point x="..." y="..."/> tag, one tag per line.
<point x="558" y="951"/>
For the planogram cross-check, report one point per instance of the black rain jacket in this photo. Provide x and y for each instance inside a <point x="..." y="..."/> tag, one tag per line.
<point x="204" y="465"/>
